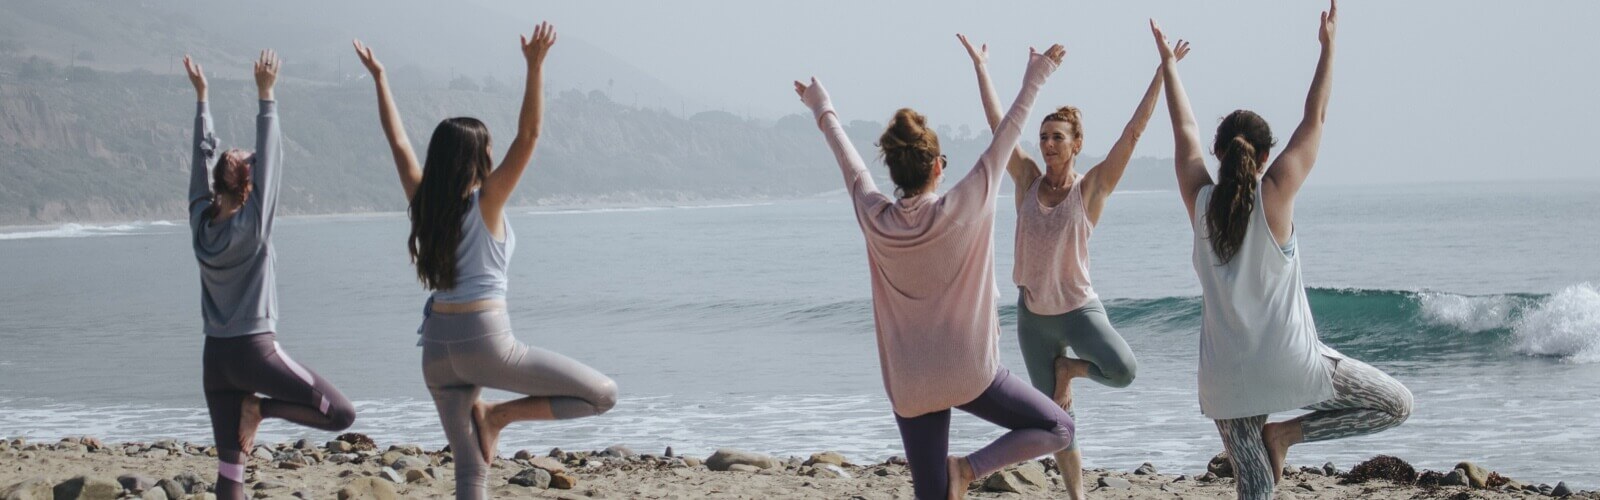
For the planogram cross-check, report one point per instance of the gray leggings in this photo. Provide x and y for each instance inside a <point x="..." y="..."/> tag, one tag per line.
<point x="463" y="353"/>
<point x="1365" y="401"/>
<point x="1090" y="335"/>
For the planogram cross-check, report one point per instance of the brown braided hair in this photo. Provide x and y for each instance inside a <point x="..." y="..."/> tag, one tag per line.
<point x="1241" y="136"/>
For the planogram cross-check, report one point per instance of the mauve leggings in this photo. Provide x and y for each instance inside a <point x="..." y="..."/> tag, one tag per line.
<point x="236" y="367"/>
<point x="1038" y="427"/>
<point x="463" y="353"/>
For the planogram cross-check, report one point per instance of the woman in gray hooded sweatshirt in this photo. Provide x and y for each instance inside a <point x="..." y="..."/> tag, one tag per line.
<point x="232" y="219"/>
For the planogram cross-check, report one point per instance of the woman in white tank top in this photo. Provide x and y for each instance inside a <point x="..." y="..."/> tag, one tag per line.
<point x="1057" y="210"/>
<point x="1259" y="351"/>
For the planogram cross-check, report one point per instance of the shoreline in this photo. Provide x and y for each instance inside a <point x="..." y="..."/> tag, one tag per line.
<point x="352" y="466"/>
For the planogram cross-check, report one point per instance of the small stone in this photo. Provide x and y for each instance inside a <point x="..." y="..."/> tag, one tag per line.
<point x="192" y="483"/>
<point x="548" y="464"/>
<point x="1306" y="486"/>
<point x="1145" y="469"/>
<point x="742" y="468"/>
<point x="392" y="475"/>
<point x="1477" y="476"/>
<point x="533" y="478"/>
<point x="154" y="494"/>
<point x="826" y="457"/>
<point x="342" y="458"/>
<point x="1457" y="477"/>
<point x="830" y="471"/>
<point x="269" y="485"/>
<point x="408" y="462"/>
<point x="896" y="460"/>
<point x="522" y="455"/>
<point x="390" y="457"/>
<point x="725" y="458"/>
<point x="1312" y="471"/>
<point x="1561" y="490"/>
<point x="1220" y="465"/>
<point x="337" y="446"/>
<point x="1181" y="477"/>
<point x="34" y="488"/>
<point x="1114" y="483"/>
<point x="167" y="444"/>
<point x="261" y="452"/>
<point x="880" y="472"/>
<point x="417" y="475"/>
<point x="87" y="488"/>
<point x="668" y="454"/>
<point x="136" y="483"/>
<point x="618" y="450"/>
<point x="1545" y="489"/>
<point x="1329" y="469"/>
<point x="692" y="461"/>
<point x="408" y="449"/>
<point x="301" y="494"/>
<point x="1208" y="477"/>
<point x="173" y="490"/>
<point x="367" y="488"/>
<point x="561" y="481"/>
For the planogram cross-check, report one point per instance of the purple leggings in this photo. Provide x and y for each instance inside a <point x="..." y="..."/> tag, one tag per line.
<point x="236" y="367"/>
<point x="1038" y="427"/>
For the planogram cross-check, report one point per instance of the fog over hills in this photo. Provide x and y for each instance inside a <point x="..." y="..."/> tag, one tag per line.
<point x="95" y="116"/>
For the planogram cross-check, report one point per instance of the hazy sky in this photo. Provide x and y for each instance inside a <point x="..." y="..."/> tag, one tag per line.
<point x="1423" y="90"/>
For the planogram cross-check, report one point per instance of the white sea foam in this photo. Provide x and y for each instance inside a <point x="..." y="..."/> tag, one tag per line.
<point x="1566" y="325"/>
<point x="1467" y="313"/>
<point x="75" y="230"/>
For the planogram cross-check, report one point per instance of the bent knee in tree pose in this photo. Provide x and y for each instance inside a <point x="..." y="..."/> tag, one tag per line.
<point x="231" y="216"/>
<point x="933" y="292"/>
<point x="1259" y="350"/>
<point x="461" y="243"/>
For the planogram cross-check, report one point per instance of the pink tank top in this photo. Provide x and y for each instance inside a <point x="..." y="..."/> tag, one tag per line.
<point x="1053" y="252"/>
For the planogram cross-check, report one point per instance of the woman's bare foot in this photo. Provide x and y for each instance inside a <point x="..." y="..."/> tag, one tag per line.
<point x="1278" y="437"/>
<point x="249" y="421"/>
<point x="960" y="474"/>
<point x="1066" y="370"/>
<point x="488" y="431"/>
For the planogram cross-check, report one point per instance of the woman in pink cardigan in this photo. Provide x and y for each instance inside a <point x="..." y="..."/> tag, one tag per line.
<point x="931" y="259"/>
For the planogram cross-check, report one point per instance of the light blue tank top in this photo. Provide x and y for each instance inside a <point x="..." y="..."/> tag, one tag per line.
<point x="481" y="261"/>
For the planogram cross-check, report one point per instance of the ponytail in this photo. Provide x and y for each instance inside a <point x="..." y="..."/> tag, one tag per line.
<point x="1241" y="137"/>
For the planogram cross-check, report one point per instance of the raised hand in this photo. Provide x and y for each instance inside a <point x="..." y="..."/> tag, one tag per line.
<point x="980" y="55"/>
<point x="1330" y="20"/>
<point x="1167" y="52"/>
<point x="367" y="59"/>
<point x="538" y="47"/>
<point x="814" y="96"/>
<point x="267" y="73"/>
<point x="1180" y="50"/>
<point x="1055" y="53"/>
<point x="197" y="76"/>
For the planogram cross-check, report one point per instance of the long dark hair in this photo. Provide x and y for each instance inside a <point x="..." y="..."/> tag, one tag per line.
<point x="909" y="147"/>
<point x="1241" y="136"/>
<point x="458" y="160"/>
<point x="230" y="177"/>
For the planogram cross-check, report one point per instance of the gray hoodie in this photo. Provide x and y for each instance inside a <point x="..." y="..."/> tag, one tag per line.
<point x="238" y="285"/>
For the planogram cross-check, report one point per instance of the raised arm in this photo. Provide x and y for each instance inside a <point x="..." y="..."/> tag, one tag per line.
<point x="205" y="140"/>
<point x="1189" y="157"/>
<point x="405" y="160"/>
<point x="978" y="187"/>
<point x="863" y="191"/>
<point x="1289" y="171"/>
<point x="1103" y="178"/>
<point x="1023" y="169"/>
<point x="497" y="189"/>
<point x="267" y="173"/>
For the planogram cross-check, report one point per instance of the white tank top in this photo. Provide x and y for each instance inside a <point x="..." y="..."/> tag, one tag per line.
<point x="1052" y="267"/>
<point x="1259" y="351"/>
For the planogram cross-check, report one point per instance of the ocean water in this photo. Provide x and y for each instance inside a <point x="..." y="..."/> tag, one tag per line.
<point x="749" y="325"/>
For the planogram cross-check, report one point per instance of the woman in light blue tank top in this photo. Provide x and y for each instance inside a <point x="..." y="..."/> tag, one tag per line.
<point x="462" y="243"/>
<point x="1259" y="351"/>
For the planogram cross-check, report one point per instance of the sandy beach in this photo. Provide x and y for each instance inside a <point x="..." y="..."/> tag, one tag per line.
<point x="353" y="467"/>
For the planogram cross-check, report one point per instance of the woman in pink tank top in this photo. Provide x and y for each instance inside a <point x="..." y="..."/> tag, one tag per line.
<point x="1056" y="214"/>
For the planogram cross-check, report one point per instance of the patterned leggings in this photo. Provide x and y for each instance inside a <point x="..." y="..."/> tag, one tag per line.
<point x="1365" y="401"/>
